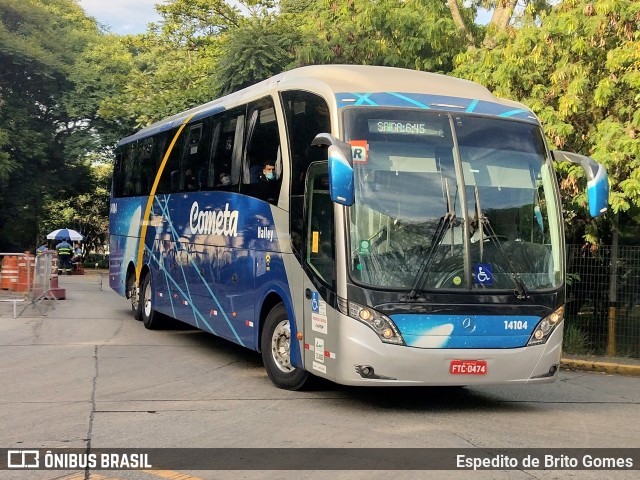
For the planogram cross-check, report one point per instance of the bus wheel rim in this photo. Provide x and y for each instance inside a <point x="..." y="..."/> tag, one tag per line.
<point x="147" y="301"/>
<point x="281" y="346"/>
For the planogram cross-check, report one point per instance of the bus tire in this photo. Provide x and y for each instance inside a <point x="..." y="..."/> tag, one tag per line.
<point x="275" y="343"/>
<point x="134" y="296"/>
<point x="150" y="318"/>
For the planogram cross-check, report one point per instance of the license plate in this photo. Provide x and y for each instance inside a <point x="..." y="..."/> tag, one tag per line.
<point x="468" y="367"/>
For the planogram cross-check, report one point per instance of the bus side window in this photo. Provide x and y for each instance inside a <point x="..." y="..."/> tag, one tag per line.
<point x="262" y="150"/>
<point x="226" y="149"/>
<point x="193" y="159"/>
<point x="173" y="162"/>
<point x="212" y="177"/>
<point x="306" y="115"/>
<point x="117" y="186"/>
<point x="147" y="166"/>
<point x="320" y="235"/>
<point x="131" y="177"/>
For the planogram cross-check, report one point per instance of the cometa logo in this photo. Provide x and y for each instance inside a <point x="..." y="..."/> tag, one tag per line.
<point x="221" y="222"/>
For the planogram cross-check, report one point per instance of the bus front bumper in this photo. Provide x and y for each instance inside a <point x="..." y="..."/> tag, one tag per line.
<point x="365" y="360"/>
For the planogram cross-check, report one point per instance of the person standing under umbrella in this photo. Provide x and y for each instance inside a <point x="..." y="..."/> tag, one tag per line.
<point x="65" y="251"/>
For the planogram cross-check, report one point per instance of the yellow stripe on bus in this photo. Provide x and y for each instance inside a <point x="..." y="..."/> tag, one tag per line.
<point x="147" y="210"/>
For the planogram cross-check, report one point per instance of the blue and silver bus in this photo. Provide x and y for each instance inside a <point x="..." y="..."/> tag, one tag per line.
<point x="368" y="225"/>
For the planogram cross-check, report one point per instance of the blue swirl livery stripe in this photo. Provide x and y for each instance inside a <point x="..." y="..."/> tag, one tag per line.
<point x="465" y="331"/>
<point x="436" y="102"/>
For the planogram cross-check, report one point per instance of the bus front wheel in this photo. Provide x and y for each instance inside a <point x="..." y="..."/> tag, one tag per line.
<point x="276" y="351"/>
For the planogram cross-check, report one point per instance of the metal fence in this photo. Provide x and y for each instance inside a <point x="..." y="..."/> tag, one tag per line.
<point x="27" y="280"/>
<point x="603" y="301"/>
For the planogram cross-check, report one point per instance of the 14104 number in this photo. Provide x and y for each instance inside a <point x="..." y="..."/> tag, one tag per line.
<point x="515" y="325"/>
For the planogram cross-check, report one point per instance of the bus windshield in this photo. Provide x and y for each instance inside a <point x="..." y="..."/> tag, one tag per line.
<point x="451" y="201"/>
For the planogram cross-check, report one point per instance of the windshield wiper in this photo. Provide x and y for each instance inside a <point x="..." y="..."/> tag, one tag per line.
<point x="520" y="291"/>
<point x="443" y="226"/>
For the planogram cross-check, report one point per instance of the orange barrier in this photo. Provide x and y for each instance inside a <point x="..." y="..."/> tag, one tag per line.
<point x="9" y="279"/>
<point x="26" y="273"/>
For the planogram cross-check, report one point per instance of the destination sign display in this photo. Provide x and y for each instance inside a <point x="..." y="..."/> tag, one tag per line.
<point x="404" y="128"/>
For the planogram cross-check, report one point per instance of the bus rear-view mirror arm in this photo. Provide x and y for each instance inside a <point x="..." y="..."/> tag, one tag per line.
<point x="597" y="179"/>
<point x="340" y="168"/>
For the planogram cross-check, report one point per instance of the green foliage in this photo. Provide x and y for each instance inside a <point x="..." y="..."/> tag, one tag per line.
<point x="413" y="34"/>
<point x="255" y="51"/>
<point x="577" y="68"/>
<point x="39" y="42"/>
<point x="87" y="212"/>
<point x="575" y="341"/>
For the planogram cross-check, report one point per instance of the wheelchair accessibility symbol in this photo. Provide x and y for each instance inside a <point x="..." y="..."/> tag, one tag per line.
<point x="315" y="303"/>
<point x="482" y="274"/>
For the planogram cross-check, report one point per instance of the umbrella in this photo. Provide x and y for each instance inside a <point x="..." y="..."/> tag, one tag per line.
<point x="65" y="233"/>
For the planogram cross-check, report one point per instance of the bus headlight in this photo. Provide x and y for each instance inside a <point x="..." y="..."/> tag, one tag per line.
<point x="379" y="323"/>
<point x="546" y="326"/>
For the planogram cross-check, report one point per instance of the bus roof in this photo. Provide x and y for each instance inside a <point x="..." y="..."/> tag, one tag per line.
<point x="359" y="81"/>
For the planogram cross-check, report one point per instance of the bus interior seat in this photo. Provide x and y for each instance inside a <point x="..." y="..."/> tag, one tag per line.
<point x="175" y="180"/>
<point x="254" y="173"/>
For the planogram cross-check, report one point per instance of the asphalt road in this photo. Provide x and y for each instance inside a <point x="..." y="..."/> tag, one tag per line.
<point x="88" y="376"/>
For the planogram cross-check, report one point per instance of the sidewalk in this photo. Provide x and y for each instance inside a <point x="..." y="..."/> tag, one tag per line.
<point x="99" y="279"/>
<point x="610" y="365"/>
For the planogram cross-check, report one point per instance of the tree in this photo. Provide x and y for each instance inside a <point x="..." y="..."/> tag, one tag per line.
<point x="169" y="69"/>
<point x="505" y="13"/>
<point x="86" y="212"/>
<point x="256" y="50"/>
<point x="415" y="34"/>
<point x="39" y="42"/>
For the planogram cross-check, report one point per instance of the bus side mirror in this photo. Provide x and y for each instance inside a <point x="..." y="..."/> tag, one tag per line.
<point x="340" y="168"/>
<point x="597" y="180"/>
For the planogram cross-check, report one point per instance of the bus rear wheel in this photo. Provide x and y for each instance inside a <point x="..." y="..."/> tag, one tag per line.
<point x="275" y="345"/>
<point x="134" y="296"/>
<point x="150" y="318"/>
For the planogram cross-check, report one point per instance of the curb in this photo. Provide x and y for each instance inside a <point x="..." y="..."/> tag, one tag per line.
<point x="603" y="367"/>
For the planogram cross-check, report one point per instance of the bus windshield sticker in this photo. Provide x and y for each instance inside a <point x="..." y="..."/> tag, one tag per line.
<point x="483" y="274"/>
<point x="359" y="151"/>
<point x="319" y="350"/>
<point x="365" y="247"/>
<point x="318" y="314"/>
<point x="315" y="241"/>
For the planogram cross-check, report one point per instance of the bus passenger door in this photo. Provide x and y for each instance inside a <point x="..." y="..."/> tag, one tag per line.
<point x="320" y="328"/>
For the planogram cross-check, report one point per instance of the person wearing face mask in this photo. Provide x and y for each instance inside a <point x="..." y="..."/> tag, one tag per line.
<point x="269" y="186"/>
<point x="225" y="180"/>
<point x="268" y="172"/>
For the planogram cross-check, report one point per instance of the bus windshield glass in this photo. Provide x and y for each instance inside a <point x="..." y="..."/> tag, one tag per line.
<point x="451" y="201"/>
